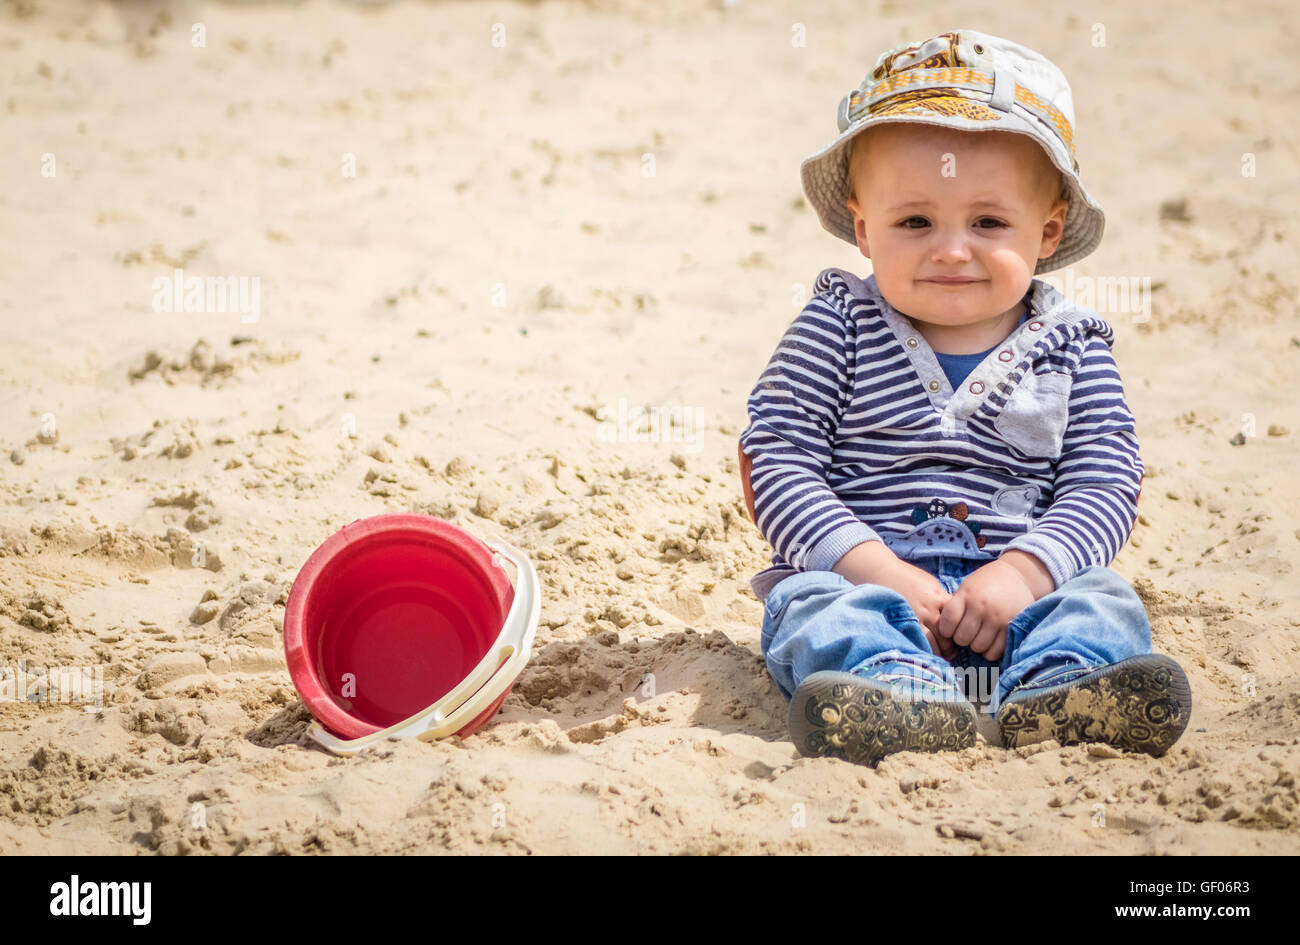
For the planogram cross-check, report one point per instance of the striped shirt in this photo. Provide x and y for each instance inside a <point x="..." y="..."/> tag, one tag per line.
<point x="857" y="435"/>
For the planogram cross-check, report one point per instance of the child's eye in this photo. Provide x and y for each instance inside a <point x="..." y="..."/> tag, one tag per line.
<point x="984" y="223"/>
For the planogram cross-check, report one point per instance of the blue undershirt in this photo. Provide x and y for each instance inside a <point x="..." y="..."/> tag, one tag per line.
<point x="959" y="366"/>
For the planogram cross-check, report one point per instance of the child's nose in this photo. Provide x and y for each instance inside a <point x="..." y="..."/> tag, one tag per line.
<point x="950" y="246"/>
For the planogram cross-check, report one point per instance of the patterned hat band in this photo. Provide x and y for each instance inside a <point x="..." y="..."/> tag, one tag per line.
<point x="962" y="92"/>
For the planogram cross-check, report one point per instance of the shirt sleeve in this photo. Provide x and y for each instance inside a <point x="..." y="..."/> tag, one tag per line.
<point x="794" y="411"/>
<point x="1098" y="476"/>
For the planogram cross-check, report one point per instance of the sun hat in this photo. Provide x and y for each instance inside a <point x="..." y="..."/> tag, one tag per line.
<point x="969" y="81"/>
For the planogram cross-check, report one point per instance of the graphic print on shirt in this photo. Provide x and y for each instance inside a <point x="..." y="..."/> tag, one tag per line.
<point x="940" y="530"/>
<point x="1015" y="500"/>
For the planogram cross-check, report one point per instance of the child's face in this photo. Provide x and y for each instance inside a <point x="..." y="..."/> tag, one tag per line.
<point x="932" y="202"/>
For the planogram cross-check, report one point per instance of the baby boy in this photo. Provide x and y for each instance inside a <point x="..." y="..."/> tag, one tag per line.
<point x="941" y="456"/>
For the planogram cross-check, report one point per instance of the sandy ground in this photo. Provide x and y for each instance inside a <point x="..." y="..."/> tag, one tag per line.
<point x="500" y="269"/>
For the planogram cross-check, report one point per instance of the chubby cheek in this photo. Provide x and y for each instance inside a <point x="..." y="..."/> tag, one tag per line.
<point x="891" y="259"/>
<point x="1007" y="264"/>
<point x="895" y="281"/>
<point x="890" y="276"/>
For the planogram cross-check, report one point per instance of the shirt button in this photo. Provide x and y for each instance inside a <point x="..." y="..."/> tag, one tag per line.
<point x="977" y="387"/>
<point x="1004" y="355"/>
<point x="911" y="342"/>
<point x="933" y="385"/>
<point x="1035" y="325"/>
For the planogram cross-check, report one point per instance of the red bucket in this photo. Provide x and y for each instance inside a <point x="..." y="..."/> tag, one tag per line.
<point x="401" y="625"/>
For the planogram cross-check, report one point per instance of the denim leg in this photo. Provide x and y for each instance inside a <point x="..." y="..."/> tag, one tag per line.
<point x="819" y="620"/>
<point x="1093" y="619"/>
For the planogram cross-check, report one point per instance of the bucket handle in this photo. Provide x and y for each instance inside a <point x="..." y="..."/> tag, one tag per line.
<point x="506" y="657"/>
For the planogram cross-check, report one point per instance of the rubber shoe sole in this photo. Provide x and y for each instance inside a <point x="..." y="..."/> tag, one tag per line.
<point x="1140" y="704"/>
<point x="855" y="718"/>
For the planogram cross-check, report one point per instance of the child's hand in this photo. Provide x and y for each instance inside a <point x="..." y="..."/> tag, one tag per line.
<point x="873" y="563"/>
<point x="927" y="598"/>
<point x="987" y="600"/>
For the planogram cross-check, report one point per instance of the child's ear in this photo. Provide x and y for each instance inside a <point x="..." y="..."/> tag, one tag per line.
<point x="1053" y="228"/>
<point x="859" y="226"/>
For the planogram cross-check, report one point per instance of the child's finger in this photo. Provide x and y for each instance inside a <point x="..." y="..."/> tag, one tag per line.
<point x="999" y="646"/>
<point x="967" y="629"/>
<point x="950" y="616"/>
<point x="940" y="645"/>
<point x="985" y="639"/>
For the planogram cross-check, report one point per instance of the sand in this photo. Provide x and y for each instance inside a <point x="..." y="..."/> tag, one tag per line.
<point x="467" y="326"/>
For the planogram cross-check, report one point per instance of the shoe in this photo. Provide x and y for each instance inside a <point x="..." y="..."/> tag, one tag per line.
<point x="1140" y="704"/>
<point x="864" y="717"/>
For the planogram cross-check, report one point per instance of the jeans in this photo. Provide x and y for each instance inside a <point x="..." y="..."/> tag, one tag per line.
<point x="819" y="620"/>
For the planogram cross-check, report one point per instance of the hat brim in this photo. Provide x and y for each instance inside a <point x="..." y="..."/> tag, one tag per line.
<point x="825" y="179"/>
